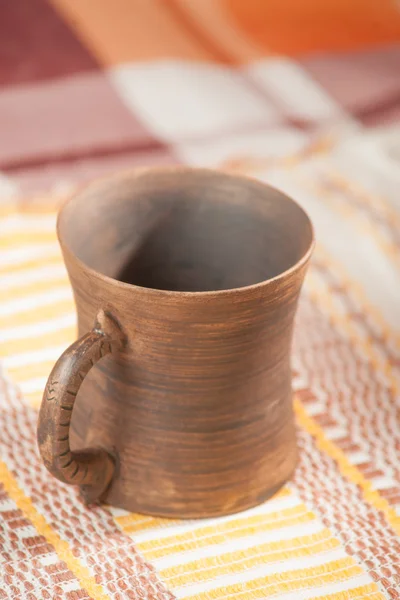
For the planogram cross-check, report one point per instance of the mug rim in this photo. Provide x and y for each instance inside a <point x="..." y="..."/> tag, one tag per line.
<point x="180" y="293"/>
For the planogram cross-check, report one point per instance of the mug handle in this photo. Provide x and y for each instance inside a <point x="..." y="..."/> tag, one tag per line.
<point x="93" y="468"/>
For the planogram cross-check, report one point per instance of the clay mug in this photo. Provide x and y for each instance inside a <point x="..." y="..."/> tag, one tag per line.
<point x="176" y="399"/>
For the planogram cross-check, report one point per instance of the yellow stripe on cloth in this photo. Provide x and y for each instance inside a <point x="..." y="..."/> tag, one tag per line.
<point x="60" y="337"/>
<point x="82" y="573"/>
<point x="34" y="398"/>
<point x="32" y="371"/>
<point x="30" y="209"/>
<point x="241" y="560"/>
<point x="232" y="529"/>
<point x="35" y="293"/>
<point x="53" y="258"/>
<point x="133" y="523"/>
<point x="30" y="316"/>
<point x="287" y="581"/>
<point x="195" y="563"/>
<point x="37" y="287"/>
<point x="15" y="238"/>
<point x="363" y="592"/>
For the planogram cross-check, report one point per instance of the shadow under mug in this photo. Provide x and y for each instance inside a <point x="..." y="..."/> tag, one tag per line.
<point x="176" y="399"/>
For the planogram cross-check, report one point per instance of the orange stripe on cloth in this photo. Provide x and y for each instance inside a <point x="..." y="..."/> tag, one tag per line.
<point x="213" y="26"/>
<point x="291" y="27"/>
<point x="130" y="30"/>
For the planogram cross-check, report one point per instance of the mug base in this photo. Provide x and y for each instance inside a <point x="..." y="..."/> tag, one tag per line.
<point x="234" y="508"/>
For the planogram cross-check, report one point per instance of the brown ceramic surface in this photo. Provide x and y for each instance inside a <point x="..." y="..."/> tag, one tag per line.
<point x="176" y="400"/>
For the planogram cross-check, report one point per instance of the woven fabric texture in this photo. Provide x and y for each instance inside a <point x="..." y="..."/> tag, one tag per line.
<point x="304" y="95"/>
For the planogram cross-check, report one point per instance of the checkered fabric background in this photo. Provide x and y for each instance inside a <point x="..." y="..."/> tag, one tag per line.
<point x="299" y="93"/>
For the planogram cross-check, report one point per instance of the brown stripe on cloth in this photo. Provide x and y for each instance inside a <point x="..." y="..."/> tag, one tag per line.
<point x="37" y="44"/>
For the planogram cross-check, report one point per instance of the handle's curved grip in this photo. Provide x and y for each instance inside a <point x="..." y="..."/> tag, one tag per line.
<point x="92" y="468"/>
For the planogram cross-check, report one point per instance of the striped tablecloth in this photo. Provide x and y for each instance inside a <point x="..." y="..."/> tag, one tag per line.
<point x="303" y="95"/>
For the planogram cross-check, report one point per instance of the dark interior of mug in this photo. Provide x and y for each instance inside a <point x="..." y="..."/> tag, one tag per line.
<point x="185" y="230"/>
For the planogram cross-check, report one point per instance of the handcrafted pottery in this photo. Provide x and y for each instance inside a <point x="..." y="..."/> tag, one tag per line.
<point x="176" y="399"/>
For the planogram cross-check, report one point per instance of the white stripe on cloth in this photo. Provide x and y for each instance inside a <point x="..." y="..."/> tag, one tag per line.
<point x="32" y="386"/>
<point x="35" y="301"/>
<point x="28" y="222"/>
<point x="232" y="545"/>
<point x="15" y="256"/>
<point x="23" y="278"/>
<point x="30" y="358"/>
<point x="36" y="329"/>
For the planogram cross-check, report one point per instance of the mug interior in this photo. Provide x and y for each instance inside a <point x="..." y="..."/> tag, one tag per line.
<point x="185" y="230"/>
